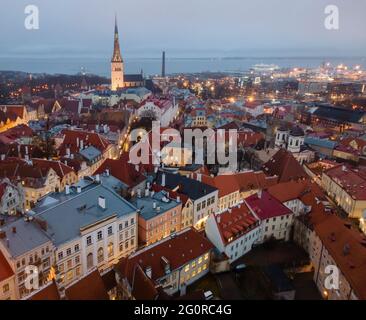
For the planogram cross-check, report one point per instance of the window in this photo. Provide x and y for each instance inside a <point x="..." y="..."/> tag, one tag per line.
<point x="69" y="275"/>
<point x="88" y="241"/>
<point x="120" y="227"/>
<point x="198" y="207"/>
<point x="100" y="255"/>
<point x="206" y="256"/>
<point x="77" y="248"/>
<point x="132" y="220"/>
<point x="78" y="271"/>
<point x="100" y="235"/>
<point x="186" y="269"/>
<point x="110" y="231"/>
<point x="132" y="242"/>
<point x="77" y="260"/>
<point x="68" y="251"/>
<point x="60" y="255"/>
<point x="110" y="249"/>
<point x="6" y="288"/>
<point x="89" y="261"/>
<point x="126" y="224"/>
<point x="69" y="264"/>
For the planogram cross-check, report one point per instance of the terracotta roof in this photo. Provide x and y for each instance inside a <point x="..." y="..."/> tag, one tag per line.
<point x="90" y="287"/>
<point x="235" y="223"/>
<point x="349" y="179"/>
<point x="5" y="270"/>
<point x="89" y="139"/>
<point x="266" y="206"/>
<point x="49" y="292"/>
<point x="285" y="166"/>
<point x="60" y="168"/>
<point x="143" y="288"/>
<point x="179" y="250"/>
<point x="254" y="180"/>
<point x="290" y="190"/>
<point x="122" y="170"/>
<point x="226" y="184"/>
<point x="344" y="245"/>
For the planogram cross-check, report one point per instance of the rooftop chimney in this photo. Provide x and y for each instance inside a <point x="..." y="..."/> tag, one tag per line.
<point x="78" y="189"/>
<point x="148" y="272"/>
<point x="218" y="217"/>
<point x="163" y="180"/>
<point x="107" y="172"/>
<point x="199" y="177"/>
<point x="154" y="205"/>
<point x="97" y="178"/>
<point x="81" y="144"/>
<point x="68" y="152"/>
<point x="2" y="156"/>
<point x="259" y="194"/>
<point x="102" y="202"/>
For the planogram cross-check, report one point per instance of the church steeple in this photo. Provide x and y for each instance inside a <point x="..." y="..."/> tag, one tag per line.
<point x="117" y="67"/>
<point x="117" y="57"/>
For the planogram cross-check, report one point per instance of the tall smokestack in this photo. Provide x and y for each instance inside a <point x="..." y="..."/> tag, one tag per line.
<point x="163" y="66"/>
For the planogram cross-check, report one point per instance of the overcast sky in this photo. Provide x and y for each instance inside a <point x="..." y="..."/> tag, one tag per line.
<point x="184" y="28"/>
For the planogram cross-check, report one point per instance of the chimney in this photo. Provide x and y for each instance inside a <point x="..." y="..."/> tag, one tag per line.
<point x="3" y="157"/>
<point x="78" y="189"/>
<point x="148" y="272"/>
<point x="14" y="230"/>
<point x="163" y="180"/>
<point x="102" y="202"/>
<point x="26" y="150"/>
<point x="199" y="177"/>
<point x="77" y="142"/>
<point x="68" y="152"/>
<point x="137" y="168"/>
<point x="218" y="217"/>
<point x="107" y="172"/>
<point x="81" y="144"/>
<point x="26" y="157"/>
<point x="147" y="192"/>
<point x="139" y="193"/>
<point x="67" y="189"/>
<point x="154" y="205"/>
<point x="178" y="199"/>
<point x="259" y="194"/>
<point x="166" y="264"/>
<point x="97" y="178"/>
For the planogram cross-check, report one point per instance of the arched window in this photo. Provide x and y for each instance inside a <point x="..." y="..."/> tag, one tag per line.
<point x="89" y="261"/>
<point x="110" y="249"/>
<point x="100" y="255"/>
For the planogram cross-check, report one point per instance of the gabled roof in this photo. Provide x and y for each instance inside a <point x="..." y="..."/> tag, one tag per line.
<point x="254" y="180"/>
<point x="178" y="251"/>
<point x="235" y="223"/>
<point x="265" y="206"/>
<point x="48" y="292"/>
<point x="5" y="270"/>
<point x="285" y="166"/>
<point x="122" y="170"/>
<point x="73" y="138"/>
<point x="226" y="184"/>
<point x="91" y="287"/>
<point x="190" y="187"/>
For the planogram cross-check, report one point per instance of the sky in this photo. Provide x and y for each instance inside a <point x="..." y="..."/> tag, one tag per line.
<point x="189" y="28"/>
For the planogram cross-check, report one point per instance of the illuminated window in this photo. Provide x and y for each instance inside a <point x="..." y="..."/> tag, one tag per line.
<point x="186" y="269"/>
<point x="206" y="256"/>
<point x="110" y="249"/>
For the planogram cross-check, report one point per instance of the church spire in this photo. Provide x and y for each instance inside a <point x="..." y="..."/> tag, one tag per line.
<point x="117" y="57"/>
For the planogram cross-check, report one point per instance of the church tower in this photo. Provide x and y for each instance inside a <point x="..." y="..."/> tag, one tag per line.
<point x="117" y="68"/>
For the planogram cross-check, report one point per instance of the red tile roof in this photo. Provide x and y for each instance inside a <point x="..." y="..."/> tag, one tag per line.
<point x="235" y="223"/>
<point x="122" y="170"/>
<point x="91" y="287"/>
<point x="5" y="270"/>
<point x="254" y="180"/>
<point x="88" y="138"/>
<point x="266" y="206"/>
<point x="179" y="250"/>
<point x="336" y="237"/>
<point x="285" y="166"/>
<point x="49" y="292"/>
<point x="350" y="180"/>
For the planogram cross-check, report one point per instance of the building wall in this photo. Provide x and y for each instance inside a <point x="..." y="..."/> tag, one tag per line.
<point x="7" y="289"/>
<point x="203" y="207"/>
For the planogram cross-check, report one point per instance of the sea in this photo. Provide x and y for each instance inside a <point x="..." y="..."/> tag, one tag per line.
<point x="152" y="66"/>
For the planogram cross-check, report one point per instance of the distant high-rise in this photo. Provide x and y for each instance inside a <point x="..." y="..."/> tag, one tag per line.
<point x="163" y="66"/>
<point x="117" y="66"/>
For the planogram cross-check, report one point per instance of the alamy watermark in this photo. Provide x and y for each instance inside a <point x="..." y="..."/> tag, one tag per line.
<point x="331" y="21"/>
<point x="208" y="146"/>
<point x="31" y="21"/>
